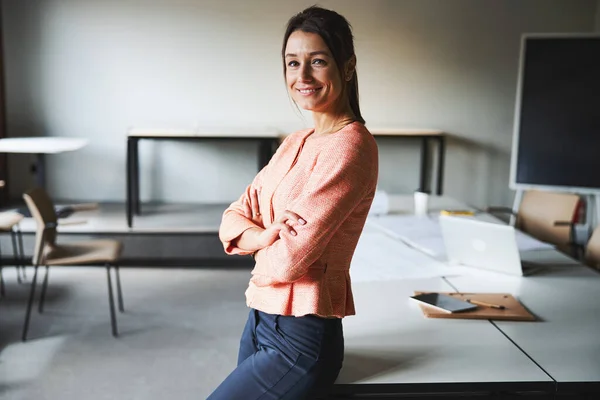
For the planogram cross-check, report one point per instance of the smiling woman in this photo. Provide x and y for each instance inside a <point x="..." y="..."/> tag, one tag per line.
<point x="301" y="218"/>
<point x="319" y="65"/>
<point x="311" y="74"/>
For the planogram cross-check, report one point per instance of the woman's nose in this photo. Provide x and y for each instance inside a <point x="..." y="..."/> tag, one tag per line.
<point x="305" y="73"/>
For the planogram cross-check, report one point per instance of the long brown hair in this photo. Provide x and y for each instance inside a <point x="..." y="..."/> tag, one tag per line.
<point x="336" y="32"/>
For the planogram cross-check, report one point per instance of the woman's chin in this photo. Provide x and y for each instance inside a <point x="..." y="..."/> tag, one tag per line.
<point x="308" y="105"/>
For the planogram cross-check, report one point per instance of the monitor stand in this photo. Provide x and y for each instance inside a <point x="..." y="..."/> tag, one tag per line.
<point x="516" y="205"/>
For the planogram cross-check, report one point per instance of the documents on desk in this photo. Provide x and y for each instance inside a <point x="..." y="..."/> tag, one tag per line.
<point x="424" y="234"/>
<point x="421" y="233"/>
<point x="381" y="203"/>
<point x="379" y="257"/>
<point x="526" y="242"/>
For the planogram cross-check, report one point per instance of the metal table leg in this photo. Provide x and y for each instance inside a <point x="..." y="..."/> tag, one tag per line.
<point x="423" y="186"/>
<point x="266" y="149"/>
<point x="40" y="171"/>
<point x="136" y="176"/>
<point x="129" y="191"/>
<point x="440" y="166"/>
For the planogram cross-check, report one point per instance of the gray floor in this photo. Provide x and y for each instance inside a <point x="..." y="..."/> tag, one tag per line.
<point x="179" y="335"/>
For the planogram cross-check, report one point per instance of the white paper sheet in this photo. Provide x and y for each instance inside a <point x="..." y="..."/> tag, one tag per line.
<point x="381" y="203"/>
<point x="425" y="234"/>
<point x="526" y="242"/>
<point x="379" y="257"/>
<point x="421" y="233"/>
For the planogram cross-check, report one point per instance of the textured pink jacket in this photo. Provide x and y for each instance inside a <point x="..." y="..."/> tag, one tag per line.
<point x="330" y="182"/>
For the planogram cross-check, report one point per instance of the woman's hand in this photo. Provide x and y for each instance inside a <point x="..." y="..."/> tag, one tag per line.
<point x="252" y="207"/>
<point x="285" y="223"/>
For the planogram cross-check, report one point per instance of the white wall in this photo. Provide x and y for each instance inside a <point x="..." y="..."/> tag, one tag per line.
<point x="94" y="68"/>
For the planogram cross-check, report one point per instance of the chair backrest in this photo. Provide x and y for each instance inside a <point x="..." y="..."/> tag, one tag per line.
<point x="540" y="210"/>
<point x="592" y="251"/>
<point x="42" y="210"/>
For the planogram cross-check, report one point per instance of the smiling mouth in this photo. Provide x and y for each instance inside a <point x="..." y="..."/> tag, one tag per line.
<point x="308" y="91"/>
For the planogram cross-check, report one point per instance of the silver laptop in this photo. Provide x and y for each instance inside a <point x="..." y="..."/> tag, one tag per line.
<point x="484" y="245"/>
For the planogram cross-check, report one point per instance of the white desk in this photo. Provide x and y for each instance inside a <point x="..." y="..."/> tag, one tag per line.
<point x="405" y="204"/>
<point x="40" y="146"/>
<point x="206" y="132"/>
<point x="566" y="297"/>
<point x="267" y="138"/>
<point x="392" y="348"/>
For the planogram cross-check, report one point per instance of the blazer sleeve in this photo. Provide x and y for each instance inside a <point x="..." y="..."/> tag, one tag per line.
<point x="341" y="178"/>
<point x="233" y="221"/>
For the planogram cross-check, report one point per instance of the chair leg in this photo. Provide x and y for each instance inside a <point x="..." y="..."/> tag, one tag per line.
<point x="1" y="281"/>
<point x="2" y="290"/>
<point x="119" y="292"/>
<point x="13" y="238"/>
<point x="29" y="304"/>
<point x="19" y="269"/>
<point x="43" y="294"/>
<point x="21" y="251"/>
<point x="111" y="303"/>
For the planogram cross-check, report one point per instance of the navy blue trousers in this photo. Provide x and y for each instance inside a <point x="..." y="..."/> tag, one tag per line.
<point x="285" y="358"/>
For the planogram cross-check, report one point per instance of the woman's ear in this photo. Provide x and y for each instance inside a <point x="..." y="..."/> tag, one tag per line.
<point x="350" y="68"/>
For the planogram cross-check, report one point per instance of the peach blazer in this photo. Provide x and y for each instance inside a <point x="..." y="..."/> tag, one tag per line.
<point x="330" y="182"/>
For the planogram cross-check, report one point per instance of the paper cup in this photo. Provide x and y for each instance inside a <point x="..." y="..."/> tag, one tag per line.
<point x="421" y="203"/>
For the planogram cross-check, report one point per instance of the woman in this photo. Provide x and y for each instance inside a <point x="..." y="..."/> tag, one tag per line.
<point x="301" y="219"/>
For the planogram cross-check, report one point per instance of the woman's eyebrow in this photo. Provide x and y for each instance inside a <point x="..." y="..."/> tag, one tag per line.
<point x="312" y="53"/>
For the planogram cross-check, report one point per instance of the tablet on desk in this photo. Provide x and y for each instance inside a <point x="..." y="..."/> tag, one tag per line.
<point x="444" y="302"/>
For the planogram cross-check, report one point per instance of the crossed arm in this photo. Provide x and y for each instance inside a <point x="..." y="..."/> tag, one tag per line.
<point x="288" y="248"/>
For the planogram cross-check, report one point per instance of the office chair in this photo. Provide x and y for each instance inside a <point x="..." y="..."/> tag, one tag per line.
<point x="48" y="252"/>
<point x="9" y="223"/>
<point x="549" y="217"/>
<point x="592" y="251"/>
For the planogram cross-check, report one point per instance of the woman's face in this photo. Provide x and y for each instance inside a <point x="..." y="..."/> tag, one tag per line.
<point x="311" y="74"/>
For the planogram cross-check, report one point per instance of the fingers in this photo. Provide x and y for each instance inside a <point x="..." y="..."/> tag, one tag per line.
<point x="284" y="224"/>
<point x="289" y="219"/>
<point x="292" y="218"/>
<point x="247" y="209"/>
<point x="252" y="205"/>
<point x="254" y="202"/>
<point x="286" y="228"/>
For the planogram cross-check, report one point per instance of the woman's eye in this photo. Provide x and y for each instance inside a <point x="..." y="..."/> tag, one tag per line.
<point x="318" y="61"/>
<point x="293" y="64"/>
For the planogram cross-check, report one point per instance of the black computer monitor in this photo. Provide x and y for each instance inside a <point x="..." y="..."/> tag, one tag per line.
<point x="556" y="140"/>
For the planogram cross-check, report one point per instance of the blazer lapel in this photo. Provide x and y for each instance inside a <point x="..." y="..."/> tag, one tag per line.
<point x="281" y="167"/>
